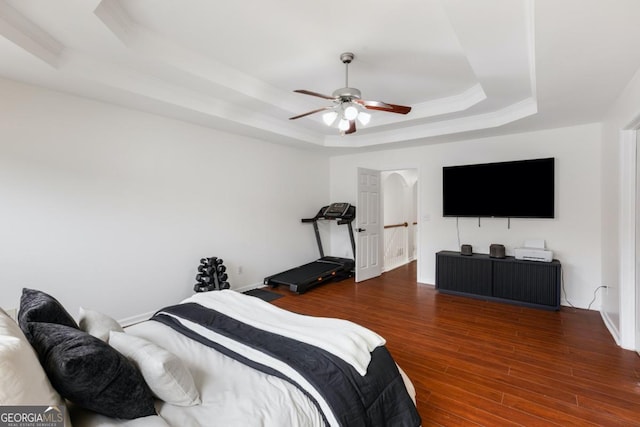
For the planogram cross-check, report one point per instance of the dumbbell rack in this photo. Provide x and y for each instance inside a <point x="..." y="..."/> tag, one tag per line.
<point x="211" y="275"/>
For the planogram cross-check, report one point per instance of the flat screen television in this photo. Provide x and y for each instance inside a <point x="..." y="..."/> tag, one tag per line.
<point x="517" y="189"/>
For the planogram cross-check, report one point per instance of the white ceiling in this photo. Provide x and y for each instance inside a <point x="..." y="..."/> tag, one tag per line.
<point x="465" y="66"/>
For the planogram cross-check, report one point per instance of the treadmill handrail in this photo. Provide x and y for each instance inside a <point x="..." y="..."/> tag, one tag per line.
<point x="339" y="221"/>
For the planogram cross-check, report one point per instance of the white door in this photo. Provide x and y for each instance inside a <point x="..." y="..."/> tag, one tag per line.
<point x="368" y="226"/>
<point x="637" y="284"/>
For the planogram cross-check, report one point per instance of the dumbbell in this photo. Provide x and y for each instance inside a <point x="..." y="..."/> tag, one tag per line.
<point x="203" y="278"/>
<point x="211" y="275"/>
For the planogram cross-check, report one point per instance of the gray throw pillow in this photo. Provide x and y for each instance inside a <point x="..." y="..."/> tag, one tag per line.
<point x="38" y="306"/>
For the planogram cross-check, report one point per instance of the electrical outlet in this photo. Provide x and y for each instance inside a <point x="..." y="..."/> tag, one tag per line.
<point x="240" y="269"/>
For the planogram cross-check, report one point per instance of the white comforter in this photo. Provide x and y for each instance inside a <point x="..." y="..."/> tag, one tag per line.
<point x="346" y="340"/>
<point x="233" y="394"/>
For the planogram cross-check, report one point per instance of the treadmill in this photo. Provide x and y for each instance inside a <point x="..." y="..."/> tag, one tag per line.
<point x="326" y="268"/>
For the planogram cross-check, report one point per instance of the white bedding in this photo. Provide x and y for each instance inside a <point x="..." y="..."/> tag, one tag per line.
<point x="346" y="340"/>
<point x="232" y="393"/>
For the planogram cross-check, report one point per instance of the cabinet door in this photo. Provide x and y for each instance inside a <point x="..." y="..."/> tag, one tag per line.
<point x="531" y="282"/>
<point x="463" y="274"/>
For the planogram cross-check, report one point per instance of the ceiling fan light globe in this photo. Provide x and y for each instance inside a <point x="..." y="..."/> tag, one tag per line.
<point x="343" y="125"/>
<point x="364" y="118"/>
<point x="329" y="118"/>
<point x="350" y="113"/>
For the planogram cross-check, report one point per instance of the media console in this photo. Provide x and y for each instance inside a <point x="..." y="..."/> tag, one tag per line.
<point x="529" y="283"/>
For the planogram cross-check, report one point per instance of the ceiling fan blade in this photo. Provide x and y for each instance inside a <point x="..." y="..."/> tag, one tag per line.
<point x="383" y="106"/>
<point x="319" y="95"/>
<point x="310" y="112"/>
<point x="372" y="103"/>
<point x="352" y="127"/>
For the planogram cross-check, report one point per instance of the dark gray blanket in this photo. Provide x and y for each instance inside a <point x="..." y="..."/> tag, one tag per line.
<point x="376" y="399"/>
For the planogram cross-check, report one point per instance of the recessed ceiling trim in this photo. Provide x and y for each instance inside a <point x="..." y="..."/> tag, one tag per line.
<point x="176" y="97"/>
<point x="502" y="59"/>
<point x="148" y="44"/>
<point x="28" y="36"/>
<point x="492" y="119"/>
<point x="436" y="107"/>
<point x="530" y="22"/>
<point x="116" y="19"/>
<point x="202" y="64"/>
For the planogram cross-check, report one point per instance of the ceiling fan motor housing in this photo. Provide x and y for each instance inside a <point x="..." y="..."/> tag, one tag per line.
<point x="346" y="94"/>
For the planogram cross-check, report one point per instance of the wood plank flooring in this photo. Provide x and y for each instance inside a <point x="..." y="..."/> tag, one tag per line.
<point x="485" y="363"/>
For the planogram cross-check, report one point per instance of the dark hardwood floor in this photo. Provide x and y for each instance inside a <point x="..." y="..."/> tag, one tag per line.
<point x="484" y="363"/>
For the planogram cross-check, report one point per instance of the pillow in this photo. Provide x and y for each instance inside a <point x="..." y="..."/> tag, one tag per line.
<point x="37" y="306"/>
<point x="97" y="324"/>
<point x="167" y="377"/>
<point x="91" y="374"/>
<point x="22" y="379"/>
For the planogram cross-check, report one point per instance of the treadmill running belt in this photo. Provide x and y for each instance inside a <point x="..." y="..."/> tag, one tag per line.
<point x="306" y="272"/>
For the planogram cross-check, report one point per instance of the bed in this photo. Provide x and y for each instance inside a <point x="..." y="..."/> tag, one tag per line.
<point x="218" y="358"/>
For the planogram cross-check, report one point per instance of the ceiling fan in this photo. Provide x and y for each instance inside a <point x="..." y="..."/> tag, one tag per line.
<point x="348" y="105"/>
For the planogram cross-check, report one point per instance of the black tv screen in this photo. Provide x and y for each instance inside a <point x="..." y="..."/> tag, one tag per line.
<point x="518" y="189"/>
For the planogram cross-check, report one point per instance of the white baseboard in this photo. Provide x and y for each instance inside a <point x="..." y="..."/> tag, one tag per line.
<point x="249" y="287"/>
<point x="132" y="320"/>
<point x="611" y="327"/>
<point x="128" y="321"/>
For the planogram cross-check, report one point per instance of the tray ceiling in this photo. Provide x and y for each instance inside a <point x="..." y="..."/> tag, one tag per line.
<point x="463" y="65"/>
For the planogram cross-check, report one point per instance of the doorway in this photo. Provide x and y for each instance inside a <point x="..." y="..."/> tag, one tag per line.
<point x="400" y="217"/>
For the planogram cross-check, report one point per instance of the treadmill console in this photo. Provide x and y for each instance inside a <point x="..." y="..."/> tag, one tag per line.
<point x="336" y="210"/>
<point x="342" y="212"/>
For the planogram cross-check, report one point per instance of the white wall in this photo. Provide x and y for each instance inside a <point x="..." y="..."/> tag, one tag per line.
<point x="574" y="235"/>
<point x="396" y="193"/>
<point x="618" y="197"/>
<point x="112" y="208"/>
